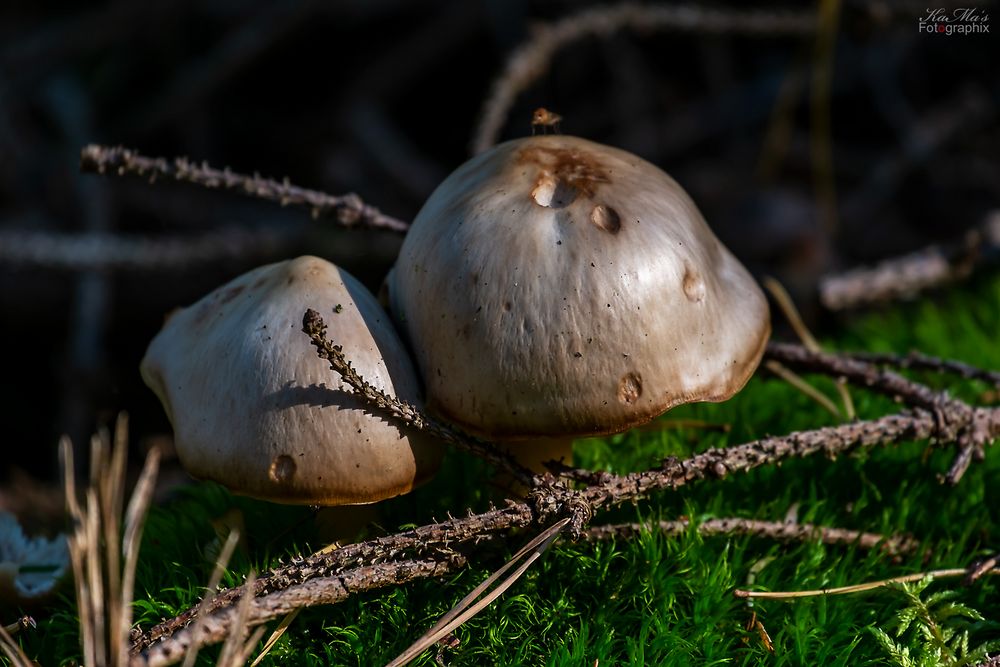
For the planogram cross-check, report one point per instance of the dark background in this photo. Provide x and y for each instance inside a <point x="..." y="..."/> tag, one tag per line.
<point x="381" y="97"/>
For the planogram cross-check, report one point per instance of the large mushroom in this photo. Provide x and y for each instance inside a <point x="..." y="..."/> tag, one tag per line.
<point x="255" y="409"/>
<point x="553" y="287"/>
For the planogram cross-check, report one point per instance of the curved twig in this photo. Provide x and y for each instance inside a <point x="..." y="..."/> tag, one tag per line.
<point x="348" y="210"/>
<point x="531" y="60"/>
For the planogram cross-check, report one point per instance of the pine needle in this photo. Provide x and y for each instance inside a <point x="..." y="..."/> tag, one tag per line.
<point x="466" y="609"/>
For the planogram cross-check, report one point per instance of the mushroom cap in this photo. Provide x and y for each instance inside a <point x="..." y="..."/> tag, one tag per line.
<point x="254" y="408"/>
<point x="555" y="286"/>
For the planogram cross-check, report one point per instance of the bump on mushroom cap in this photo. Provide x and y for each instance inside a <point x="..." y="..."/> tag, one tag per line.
<point x="556" y="286"/>
<point x="254" y="408"/>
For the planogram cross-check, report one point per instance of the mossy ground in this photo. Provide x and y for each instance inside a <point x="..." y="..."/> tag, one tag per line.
<point x="649" y="600"/>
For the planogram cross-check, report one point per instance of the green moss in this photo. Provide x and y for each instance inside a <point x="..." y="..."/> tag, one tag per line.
<point x="649" y="600"/>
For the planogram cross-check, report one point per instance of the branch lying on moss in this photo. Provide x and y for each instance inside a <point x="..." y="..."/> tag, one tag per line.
<point x="906" y="276"/>
<point x="867" y="375"/>
<point x="782" y="531"/>
<point x="919" y="361"/>
<point x="532" y="59"/>
<point x="314" y="327"/>
<point x="321" y="590"/>
<point x="957" y="421"/>
<point x="348" y="210"/>
<point x="102" y="251"/>
<point x="611" y="490"/>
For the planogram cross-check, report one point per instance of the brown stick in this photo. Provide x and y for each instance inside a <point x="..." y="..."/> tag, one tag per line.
<point x="324" y="590"/>
<point x="892" y="545"/>
<point x="348" y="210"/>
<point x="531" y="60"/>
<point x="611" y="490"/>
<point x="906" y="276"/>
<point x="314" y="327"/>
<point x="919" y="361"/>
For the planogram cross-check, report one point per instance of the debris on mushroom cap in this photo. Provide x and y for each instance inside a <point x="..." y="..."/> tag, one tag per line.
<point x="30" y="568"/>
<point x="255" y="409"/>
<point x="555" y="286"/>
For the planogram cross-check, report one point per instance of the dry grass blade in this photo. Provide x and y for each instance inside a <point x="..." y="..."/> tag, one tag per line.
<point x="275" y="636"/>
<point x="466" y="609"/>
<point x="103" y="555"/>
<point x="857" y="588"/>
<point x="796" y="381"/>
<point x="791" y="313"/>
<point x="13" y="650"/>
<point x="287" y="620"/>
<point x="235" y="651"/>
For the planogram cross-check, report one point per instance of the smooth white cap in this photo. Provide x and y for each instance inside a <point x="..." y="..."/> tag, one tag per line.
<point x="552" y="286"/>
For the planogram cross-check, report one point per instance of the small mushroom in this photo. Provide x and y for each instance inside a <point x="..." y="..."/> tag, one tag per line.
<point x="255" y="409"/>
<point x="554" y="287"/>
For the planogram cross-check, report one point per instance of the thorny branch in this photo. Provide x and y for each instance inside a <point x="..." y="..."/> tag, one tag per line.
<point x="957" y="421"/>
<point x="314" y="327"/>
<point x="103" y="251"/>
<point x="434" y="549"/>
<point x="783" y="531"/>
<point x="919" y="361"/>
<point x="531" y="60"/>
<point x="907" y="276"/>
<point x="348" y="210"/>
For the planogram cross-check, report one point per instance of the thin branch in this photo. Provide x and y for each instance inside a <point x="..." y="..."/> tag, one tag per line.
<point x="375" y="557"/>
<point x="348" y="210"/>
<point x="531" y="60"/>
<point x="323" y="590"/>
<point x="867" y="375"/>
<point x="919" y="361"/>
<point x="947" y="420"/>
<point x="957" y="421"/>
<point x="782" y="531"/>
<point x="905" y="277"/>
<point x="409" y="415"/>
<point x="102" y="251"/>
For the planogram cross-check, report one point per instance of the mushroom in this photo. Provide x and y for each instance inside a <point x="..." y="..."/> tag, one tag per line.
<point x="554" y="287"/>
<point x="255" y="409"/>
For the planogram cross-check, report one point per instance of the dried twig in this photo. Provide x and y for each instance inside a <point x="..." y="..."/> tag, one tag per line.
<point x="375" y="563"/>
<point x="118" y="252"/>
<point x="906" y="276"/>
<point x="919" y="361"/>
<point x="314" y="326"/>
<point x="958" y="422"/>
<point x="375" y="557"/>
<point x="531" y="60"/>
<point x="348" y="210"/>
<point x="867" y="375"/>
<point x="322" y="590"/>
<point x="892" y="545"/>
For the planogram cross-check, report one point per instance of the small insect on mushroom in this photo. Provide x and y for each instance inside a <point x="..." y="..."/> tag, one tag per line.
<point x="544" y="118"/>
